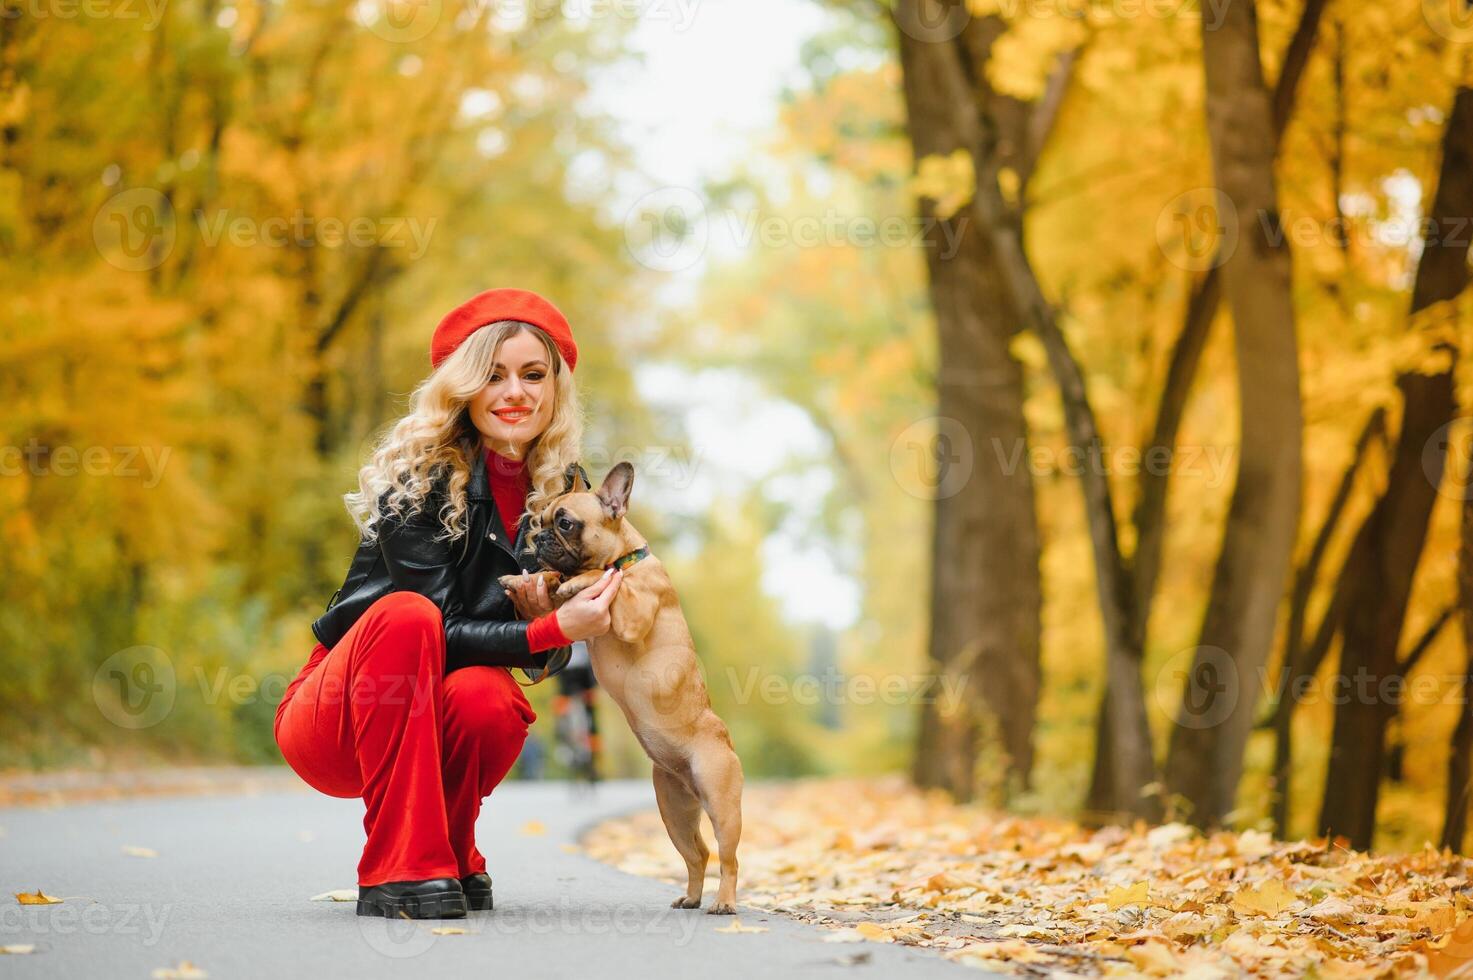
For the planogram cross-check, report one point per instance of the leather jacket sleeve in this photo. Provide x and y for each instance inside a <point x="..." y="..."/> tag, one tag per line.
<point x="417" y="562"/>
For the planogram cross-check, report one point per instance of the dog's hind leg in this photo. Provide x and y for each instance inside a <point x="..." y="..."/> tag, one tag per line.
<point x="718" y="777"/>
<point x="681" y="812"/>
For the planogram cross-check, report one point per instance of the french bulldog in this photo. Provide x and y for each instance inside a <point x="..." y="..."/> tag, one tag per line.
<point x="647" y="663"/>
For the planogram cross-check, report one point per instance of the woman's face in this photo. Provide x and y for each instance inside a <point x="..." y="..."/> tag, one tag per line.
<point x="515" y="405"/>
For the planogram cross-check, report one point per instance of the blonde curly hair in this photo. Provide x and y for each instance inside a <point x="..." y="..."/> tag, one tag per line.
<point x="437" y="442"/>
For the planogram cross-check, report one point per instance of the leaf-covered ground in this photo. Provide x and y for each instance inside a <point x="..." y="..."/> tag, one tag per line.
<point x="877" y="861"/>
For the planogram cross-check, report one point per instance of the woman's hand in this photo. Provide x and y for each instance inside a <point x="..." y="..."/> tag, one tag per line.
<point x="586" y="615"/>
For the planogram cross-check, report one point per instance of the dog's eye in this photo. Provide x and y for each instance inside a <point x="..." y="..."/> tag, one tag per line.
<point x="565" y="524"/>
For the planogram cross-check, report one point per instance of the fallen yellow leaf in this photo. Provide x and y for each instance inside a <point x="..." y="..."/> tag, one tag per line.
<point x="1332" y="910"/>
<point x="18" y="949"/>
<point x="534" y="828"/>
<point x="184" y="971"/>
<point x="844" y="936"/>
<point x="1269" y="898"/>
<point x="448" y="931"/>
<point x="736" y="926"/>
<point x="1155" y="958"/>
<point x="140" y="852"/>
<point x="1137" y="894"/>
<point x="336" y="895"/>
<point x="36" y="898"/>
<point x="942" y="882"/>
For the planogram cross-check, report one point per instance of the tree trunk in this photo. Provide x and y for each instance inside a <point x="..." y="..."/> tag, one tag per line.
<point x="1393" y="534"/>
<point x="1149" y="516"/>
<point x="985" y="590"/>
<point x="1302" y="659"/>
<point x="1455" y="818"/>
<point x="1213" y="724"/>
<point x="957" y="70"/>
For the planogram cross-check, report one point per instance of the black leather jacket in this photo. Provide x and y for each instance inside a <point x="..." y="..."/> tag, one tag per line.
<point x="481" y="625"/>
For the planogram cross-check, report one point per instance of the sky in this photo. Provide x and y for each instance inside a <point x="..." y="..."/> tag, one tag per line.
<point x="704" y="99"/>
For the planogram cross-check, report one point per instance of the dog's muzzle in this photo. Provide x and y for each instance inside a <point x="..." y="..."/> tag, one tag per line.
<point x="550" y="552"/>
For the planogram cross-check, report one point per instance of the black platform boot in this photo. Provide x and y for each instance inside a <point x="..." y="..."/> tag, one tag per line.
<point x="434" y="898"/>
<point x="477" y="888"/>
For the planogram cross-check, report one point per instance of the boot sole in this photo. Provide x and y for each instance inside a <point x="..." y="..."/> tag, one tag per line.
<point x="448" y="906"/>
<point x="480" y="903"/>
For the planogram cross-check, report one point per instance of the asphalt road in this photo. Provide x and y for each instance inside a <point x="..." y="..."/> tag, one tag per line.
<point x="230" y="886"/>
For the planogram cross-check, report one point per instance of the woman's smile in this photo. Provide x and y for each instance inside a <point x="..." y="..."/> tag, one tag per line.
<point x="514" y="406"/>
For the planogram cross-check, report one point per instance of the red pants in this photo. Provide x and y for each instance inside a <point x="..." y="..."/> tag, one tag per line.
<point x="377" y="717"/>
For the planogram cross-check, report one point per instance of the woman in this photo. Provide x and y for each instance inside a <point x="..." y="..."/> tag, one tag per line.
<point x="408" y="699"/>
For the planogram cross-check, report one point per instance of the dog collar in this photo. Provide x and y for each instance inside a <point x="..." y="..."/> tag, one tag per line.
<point x="624" y="561"/>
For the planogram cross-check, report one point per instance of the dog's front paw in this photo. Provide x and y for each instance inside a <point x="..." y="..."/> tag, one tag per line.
<point x="564" y="592"/>
<point x="686" y="903"/>
<point x="721" y="908"/>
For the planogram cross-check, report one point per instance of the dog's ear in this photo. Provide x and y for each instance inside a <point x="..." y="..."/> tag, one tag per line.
<point x="632" y="612"/>
<point x="573" y="476"/>
<point x="614" y="494"/>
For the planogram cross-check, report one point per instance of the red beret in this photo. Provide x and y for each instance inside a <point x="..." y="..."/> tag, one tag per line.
<point x="502" y="304"/>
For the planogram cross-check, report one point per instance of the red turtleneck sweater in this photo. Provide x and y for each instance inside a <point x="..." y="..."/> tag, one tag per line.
<point x="509" y="486"/>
